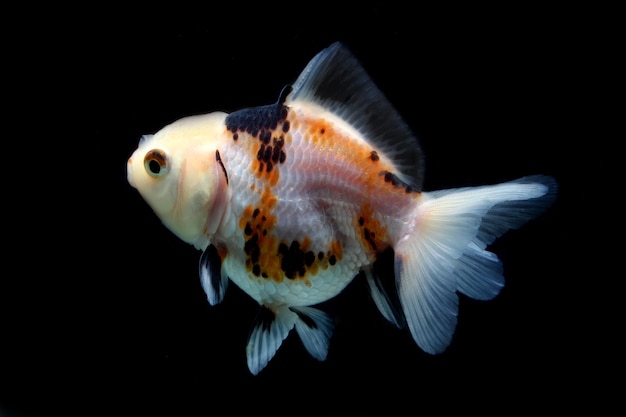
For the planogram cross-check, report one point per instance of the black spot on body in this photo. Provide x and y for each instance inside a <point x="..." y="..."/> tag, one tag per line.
<point x="389" y="177"/>
<point x="265" y="136"/>
<point x="251" y="248"/>
<point x="332" y="260"/>
<point x="370" y="238"/>
<point x="309" y="258"/>
<point x="361" y="221"/>
<point x="294" y="260"/>
<point x="257" y="119"/>
<point x="395" y="181"/>
<point x="255" y="213"/>
<point x="261" y="122"/>
<point x="276" y="154"/>
<point x="374" y="156"/>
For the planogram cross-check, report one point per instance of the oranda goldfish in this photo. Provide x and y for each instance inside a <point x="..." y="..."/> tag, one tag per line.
<point x="291" y="201"/>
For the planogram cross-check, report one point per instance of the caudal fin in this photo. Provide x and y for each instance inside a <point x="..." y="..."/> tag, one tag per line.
<point x="444" y="251"/>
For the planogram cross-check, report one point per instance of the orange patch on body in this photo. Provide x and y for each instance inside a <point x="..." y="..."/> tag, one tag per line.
<point x="266" y="151"/>
<point x="336" y="249"/>
<point x="371" y="232"/>
<point x="347" y="151"/>
<point x="268" y="200"/>
<point x="267" y="258"/>
<point x="378" y="175"/>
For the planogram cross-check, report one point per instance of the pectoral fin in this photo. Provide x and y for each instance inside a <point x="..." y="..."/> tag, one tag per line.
<point x="214" y="281"/>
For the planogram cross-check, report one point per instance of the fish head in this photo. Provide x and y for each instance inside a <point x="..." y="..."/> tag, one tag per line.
<point x="177" y="172"/>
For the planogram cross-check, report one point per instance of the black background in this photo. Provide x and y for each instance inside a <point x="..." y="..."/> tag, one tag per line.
<point x="106" y="313"/>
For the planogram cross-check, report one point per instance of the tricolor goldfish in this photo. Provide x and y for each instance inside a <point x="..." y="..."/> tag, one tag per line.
<point x="292" y="201"/>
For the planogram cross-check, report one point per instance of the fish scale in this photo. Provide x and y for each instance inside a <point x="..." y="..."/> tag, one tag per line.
<point x="308" y="208"/>
<point x="293" y="200"/>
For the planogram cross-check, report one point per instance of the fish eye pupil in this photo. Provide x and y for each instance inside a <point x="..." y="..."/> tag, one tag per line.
<point x="154" y="167"/>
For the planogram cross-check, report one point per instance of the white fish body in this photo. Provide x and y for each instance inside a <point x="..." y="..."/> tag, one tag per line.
<point x="291" y="201"/>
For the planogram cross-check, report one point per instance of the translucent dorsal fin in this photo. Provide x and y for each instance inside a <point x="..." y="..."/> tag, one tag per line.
<point x="335" y="80"/>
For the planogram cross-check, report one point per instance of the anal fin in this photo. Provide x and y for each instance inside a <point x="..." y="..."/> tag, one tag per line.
<point x="387" y="307"/>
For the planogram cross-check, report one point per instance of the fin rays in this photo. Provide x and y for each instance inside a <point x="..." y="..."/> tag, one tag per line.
<point x="444" y="253"/>
<point x="214" y="281"/>
<point x="335" y="80"/>
<point x="271" y="327"/>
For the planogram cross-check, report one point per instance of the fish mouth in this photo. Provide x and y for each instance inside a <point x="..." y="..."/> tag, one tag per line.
<point x="129" y="172"/>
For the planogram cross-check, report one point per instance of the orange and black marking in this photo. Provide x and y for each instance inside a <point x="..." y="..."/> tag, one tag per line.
<point x="268" y="127"/>
<point x="372" y="233"/>
<point x="395" y="181"/>
<point x="269" y="258"/>
<point x="378" y="175"/>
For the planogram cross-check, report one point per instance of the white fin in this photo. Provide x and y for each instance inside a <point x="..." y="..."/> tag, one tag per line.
<point x="314" y="328"/>
<point x="444" y="251"/>
<point x="271" y="327"/>
<point x="382" y="300"/>
<point x="479" y="273"/>
<point x="212" y="277"/>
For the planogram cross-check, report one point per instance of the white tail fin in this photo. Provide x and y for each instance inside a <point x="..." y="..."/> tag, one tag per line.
<point x="443" y="251"/>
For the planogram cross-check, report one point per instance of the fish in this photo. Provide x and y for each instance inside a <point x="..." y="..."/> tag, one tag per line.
<point x="292" y="201"/>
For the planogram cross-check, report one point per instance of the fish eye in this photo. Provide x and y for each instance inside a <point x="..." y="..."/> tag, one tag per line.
<point x="155" y="163"/>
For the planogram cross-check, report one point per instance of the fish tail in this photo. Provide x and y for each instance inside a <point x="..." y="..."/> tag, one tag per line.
<point x="272" y="326"/>
<point x="443" y="251"/>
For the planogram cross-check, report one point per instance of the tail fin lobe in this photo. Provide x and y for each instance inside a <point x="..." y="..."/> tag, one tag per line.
<point x="443" y="251"/>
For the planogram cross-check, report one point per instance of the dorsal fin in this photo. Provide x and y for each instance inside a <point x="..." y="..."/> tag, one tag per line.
<point x="335" y="79"/>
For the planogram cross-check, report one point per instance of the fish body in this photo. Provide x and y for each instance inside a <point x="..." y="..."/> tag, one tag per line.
<point x="293" y="200"/>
